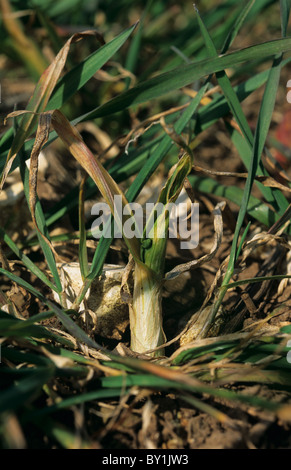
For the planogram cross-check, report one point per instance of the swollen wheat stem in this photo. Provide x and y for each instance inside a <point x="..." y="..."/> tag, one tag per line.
<point x="146" y="312"/>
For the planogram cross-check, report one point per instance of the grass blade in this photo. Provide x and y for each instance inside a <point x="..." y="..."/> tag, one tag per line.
<point x="237" y="25"/>
<point x="83" y="256"/>
<point x="73" y="81"/>
<point x="236" y="109"/>
<point x="76" y="78"/>
<point x="105" y="183"/>
<point x="285" y="12"/>
<point x="23" y="284"/>
<point x="184" y="75"/>
<point x="256" y="209"/>
<point x="262" y="129"/>
<point x="26" y="389"/>
<point x="133" y="53"/>
<point x="41" y="224"/>
<point x="26" y="261"/>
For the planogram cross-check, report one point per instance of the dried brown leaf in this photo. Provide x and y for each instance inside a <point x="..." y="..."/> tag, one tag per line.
<point x="264" y="180"/>
<point x="218" y="227"/>
<point x="40" y="98"/>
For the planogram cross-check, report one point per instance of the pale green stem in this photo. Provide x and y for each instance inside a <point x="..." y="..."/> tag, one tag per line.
<point x="146" y="312"/>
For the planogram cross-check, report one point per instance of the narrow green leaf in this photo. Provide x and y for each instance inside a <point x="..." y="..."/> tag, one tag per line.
<point x="65" y="88"/>
<point x="186" y="74"/>
<point x="270" y="195"/>
<point x="23" y="283"/>
<point x="81" y="73"/>
<point x="105" y="183"/>
<point x="160" y="152"/>
<point x="134" y="49"/>
<point x="100" y="394"/>
<point x="252" y="280"/>
<point x="161" y="383"/>
<point x="72" y="327"/>
<point x="273" y="196"/>
<point x="285" y="12"/>
<point x="243" y="237"/>
<point x="83" y="256"/>
<point x="49" y="256"/>
<point x="207" y="115"/>
<point x="256" y="209"/>
<point x="262" y="128"/>
<point x="26" y="389"/>
<point x="26" y="261"/>
<point x="264" y="120"/>
<point x="127" y="165"/>
<point x="19" y="356"/>
<point x="237" y="25"/>
<point x="9" y="328"/>
<point x="40" y="98"/>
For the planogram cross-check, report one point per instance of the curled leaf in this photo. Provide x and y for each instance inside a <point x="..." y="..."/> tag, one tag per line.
<point x="77" y="147"/>
<point x="218" y="227"/>
<point x="40" y="98"/>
